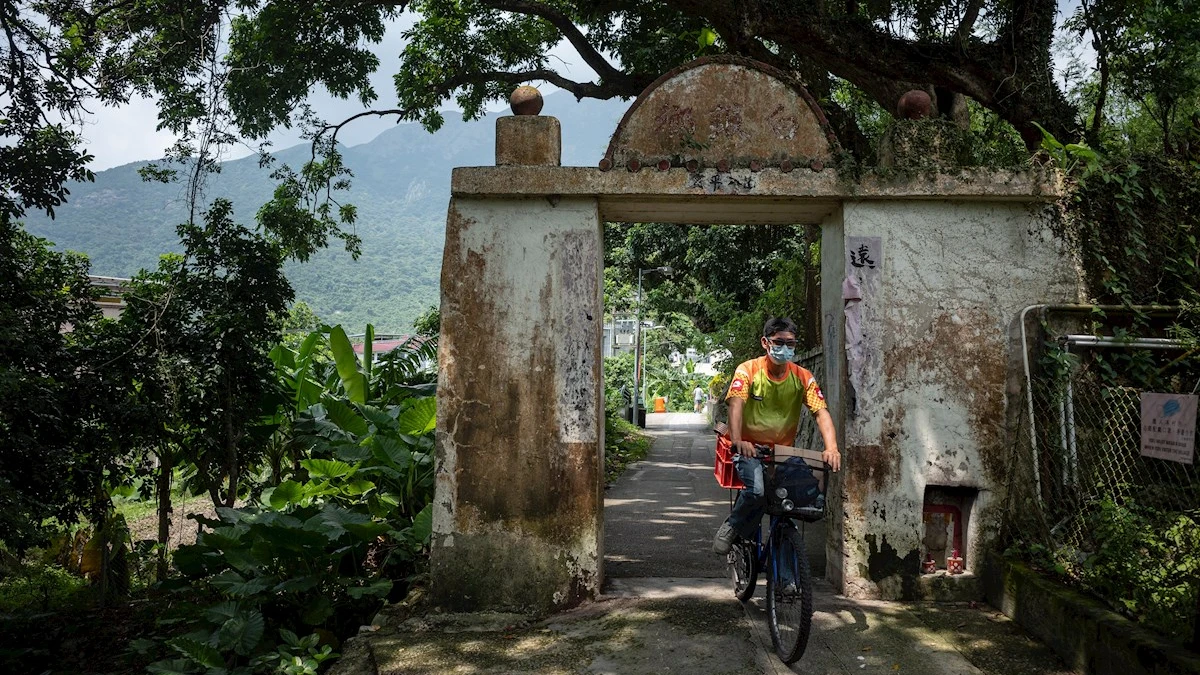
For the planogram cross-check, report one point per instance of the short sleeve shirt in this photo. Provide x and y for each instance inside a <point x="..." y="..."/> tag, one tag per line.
<point x="773" y="407"/>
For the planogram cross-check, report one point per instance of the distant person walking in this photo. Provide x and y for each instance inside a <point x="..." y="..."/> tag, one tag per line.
<point x="699" y="397"/>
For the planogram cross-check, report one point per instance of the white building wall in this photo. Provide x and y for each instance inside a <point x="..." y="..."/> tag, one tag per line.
<point x="930" y="402"/>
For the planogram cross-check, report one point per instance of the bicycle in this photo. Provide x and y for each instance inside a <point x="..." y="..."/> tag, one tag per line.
<point x="789" y="610"/>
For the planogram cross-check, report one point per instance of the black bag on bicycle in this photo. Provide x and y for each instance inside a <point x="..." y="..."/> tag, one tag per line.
<point x="796" y="477"/>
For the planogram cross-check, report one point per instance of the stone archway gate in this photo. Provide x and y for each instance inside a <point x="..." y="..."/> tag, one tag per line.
<point x="927" y="273"/>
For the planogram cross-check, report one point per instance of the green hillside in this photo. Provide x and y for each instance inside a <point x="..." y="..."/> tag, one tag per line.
<point x="401" y="186"/>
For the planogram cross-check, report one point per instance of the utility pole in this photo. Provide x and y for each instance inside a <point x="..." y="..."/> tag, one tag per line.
<point x="637" y="342"/>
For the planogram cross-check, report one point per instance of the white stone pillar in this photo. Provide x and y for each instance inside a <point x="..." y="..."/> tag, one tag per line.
<point x="518" y="510"/>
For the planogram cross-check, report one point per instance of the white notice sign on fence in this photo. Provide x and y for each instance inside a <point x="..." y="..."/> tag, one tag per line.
<point x="1169" y="426"/>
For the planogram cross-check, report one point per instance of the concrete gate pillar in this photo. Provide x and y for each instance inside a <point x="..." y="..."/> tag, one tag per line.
<point x="519" y="508"/>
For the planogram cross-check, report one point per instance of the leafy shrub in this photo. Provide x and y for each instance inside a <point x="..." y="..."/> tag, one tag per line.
<point x="40" y="587"/>
<point x="321" y="550"/>
<point x="1146" y="562"/>
<point x="624" y="444"/>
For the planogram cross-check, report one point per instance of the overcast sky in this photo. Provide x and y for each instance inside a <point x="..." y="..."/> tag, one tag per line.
<point x="117" y="136"/>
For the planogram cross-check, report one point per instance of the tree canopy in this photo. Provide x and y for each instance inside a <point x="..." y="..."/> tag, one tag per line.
<point x="258" y="60"/>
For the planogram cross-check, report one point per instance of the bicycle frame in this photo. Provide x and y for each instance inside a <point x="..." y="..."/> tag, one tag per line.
<point x="763" y="548"/>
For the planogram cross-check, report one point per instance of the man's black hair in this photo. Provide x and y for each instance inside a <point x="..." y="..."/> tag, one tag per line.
<point x="779" y="324"/>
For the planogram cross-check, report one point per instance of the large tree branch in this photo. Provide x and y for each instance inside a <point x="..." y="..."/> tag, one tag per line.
<point x="566" y="26"/>
<point x="626" y="87"/>
<point x="1009" y="75"/>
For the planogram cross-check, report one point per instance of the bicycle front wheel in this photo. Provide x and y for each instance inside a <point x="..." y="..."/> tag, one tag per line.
<point x="789" y="596"/>
<point x="743" y="568"/>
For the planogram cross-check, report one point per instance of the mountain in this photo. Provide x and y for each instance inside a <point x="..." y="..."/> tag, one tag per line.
<point x="401" y="186"/>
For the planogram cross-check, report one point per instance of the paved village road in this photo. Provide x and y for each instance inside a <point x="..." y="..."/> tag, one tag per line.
<point x="667" y="608"/>
<point x="660" y="518"/>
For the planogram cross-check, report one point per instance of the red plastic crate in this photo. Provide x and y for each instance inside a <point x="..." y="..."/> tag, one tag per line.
<point x="724" y="470"/>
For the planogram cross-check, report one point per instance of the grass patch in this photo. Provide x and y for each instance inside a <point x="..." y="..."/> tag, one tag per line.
<point x="624" y="444"/>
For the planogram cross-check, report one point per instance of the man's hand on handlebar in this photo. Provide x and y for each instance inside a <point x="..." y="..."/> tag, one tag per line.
<point x="745" y="448"/>
<point x="833" y="458"/>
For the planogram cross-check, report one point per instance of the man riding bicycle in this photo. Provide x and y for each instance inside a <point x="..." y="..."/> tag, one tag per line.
<point x="765" y="398"/>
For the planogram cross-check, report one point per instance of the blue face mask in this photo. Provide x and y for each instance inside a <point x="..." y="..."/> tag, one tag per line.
<point x="781" y="353"/>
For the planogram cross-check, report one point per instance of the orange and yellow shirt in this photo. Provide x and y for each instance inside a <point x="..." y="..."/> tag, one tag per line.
<point x="772" y="410"/>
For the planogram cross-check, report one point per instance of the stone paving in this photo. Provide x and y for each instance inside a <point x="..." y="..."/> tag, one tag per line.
<point x="667" y="608"/>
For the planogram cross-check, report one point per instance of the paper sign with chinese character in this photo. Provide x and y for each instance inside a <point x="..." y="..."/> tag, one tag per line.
<point x="1169" y="426"/>
<point x="864" y="254"/>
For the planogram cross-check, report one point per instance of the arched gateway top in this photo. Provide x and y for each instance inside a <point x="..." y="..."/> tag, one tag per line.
<point x="725" y="112"/>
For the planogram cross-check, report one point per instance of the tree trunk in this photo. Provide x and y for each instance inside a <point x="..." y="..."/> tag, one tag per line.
<point x="812" y="289"/>
<point x="231" y="450"/>
<point x="1196" y="624"/>
<point x="166" y="463"/>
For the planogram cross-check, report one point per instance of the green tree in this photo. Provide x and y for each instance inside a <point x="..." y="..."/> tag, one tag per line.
<point x="301" y="319"/>
<point x="201" y="327"/>
<point x="728" y="280"/>
<point x="56" y="439"/>
<point x="429" y="322"/>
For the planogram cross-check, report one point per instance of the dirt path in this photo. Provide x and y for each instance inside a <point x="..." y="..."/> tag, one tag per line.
<point x="183" y="529"/>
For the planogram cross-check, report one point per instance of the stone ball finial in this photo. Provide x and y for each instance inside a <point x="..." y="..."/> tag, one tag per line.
<point x="526" y="100"/>
<point x="915" y="105"/>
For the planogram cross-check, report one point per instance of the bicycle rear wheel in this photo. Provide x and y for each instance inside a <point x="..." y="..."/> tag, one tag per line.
<point x="789" y="611"/>
<point x="743" y="568"/>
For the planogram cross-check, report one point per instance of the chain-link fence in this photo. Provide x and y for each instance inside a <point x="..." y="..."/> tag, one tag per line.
<point x="1086" y="503"/>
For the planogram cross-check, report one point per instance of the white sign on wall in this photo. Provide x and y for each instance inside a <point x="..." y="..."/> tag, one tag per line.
<point x="1169" y="426"/>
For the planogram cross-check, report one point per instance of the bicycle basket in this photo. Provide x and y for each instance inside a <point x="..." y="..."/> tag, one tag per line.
<point x="798" y="484"/>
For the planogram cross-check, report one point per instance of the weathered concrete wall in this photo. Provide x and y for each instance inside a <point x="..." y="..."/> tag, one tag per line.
<point x="833" y="343"/>
<point x="519" y="504"/>
<point x="927" y="404"/>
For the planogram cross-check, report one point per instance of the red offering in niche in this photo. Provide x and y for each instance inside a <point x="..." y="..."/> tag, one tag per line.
<point x="954" y="564"/>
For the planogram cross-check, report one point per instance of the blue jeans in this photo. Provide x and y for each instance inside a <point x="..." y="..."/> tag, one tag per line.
<point x="747" y="512"/>
<point x="746" y="516"/>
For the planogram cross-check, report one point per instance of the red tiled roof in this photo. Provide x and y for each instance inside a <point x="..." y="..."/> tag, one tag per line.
<point x="385" y="346"/>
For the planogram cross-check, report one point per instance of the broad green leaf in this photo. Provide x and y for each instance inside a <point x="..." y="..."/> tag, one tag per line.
<point x="391" y="451"/>
<point x="234" y="585"/>
<point x="308" y="392"/>
<point x="422" y="525"/>
<point x="298" y="584"/>
<point x="332" y="520"/>
<point x="378" y="589"/>
<point x="241" y="633"/>
<point x="378" y="417"/>
<point x="326" y="468"/>
<point x="283" y="357"/>
<point x="172" y="667"/>
<point x="228" y="515"/>
<point x="353" y="380"/>
<point x="368" y="341"/>
<point x="358" y="487"/>
<point x="286" y="493"/>
<point x="353" y="454"/>
<point x="202" y="654"/>
<point x="222" y="611"/>
<point x="345" y="417"/>
<point x="289" y="638"/>
<point x="366" y="531"/>
<point x="318" y="609"/>
<point x="309" y="344"/>
<point x="420" y="418"/>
